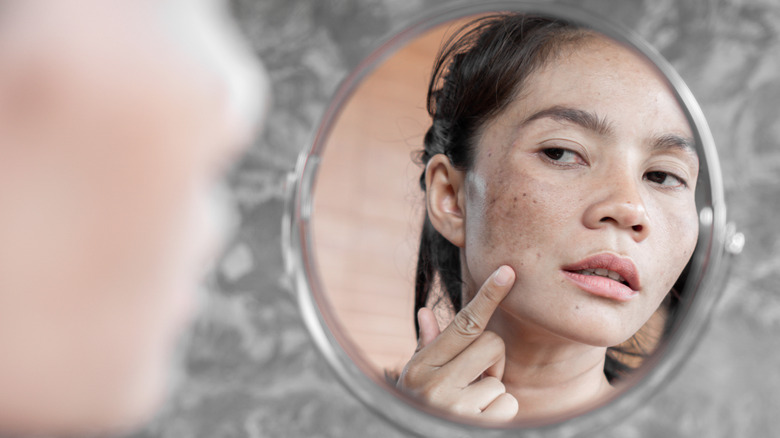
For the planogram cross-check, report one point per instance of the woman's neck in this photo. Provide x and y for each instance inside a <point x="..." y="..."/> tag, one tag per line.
<point x="549" y="375"/>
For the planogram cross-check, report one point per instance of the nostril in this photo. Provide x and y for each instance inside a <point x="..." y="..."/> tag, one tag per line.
<point x="637" y="228"/>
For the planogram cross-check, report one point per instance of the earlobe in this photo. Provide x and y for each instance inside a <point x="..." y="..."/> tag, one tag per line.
<point x="444" y="199"/>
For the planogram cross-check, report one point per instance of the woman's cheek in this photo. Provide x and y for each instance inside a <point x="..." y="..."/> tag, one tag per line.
<point x="516" y="221"/>
<point x="676" y="241"/>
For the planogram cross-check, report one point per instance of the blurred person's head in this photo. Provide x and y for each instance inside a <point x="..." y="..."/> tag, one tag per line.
<point x="116" y="119"/>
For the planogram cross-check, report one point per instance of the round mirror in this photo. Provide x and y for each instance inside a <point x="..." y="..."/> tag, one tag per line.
<point x="546" y="140"/>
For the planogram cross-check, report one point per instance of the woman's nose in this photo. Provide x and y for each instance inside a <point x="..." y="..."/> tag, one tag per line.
<point x="620" y="206"/>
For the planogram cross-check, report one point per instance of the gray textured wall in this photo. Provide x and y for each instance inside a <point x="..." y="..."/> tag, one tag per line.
<point x="251" y="370"/>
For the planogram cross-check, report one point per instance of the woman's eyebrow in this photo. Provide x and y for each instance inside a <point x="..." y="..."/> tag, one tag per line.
<point x="587" y="120"/>
<point x="592" y="122"/>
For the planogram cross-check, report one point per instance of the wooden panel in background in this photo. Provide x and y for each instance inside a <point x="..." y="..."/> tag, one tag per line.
<point x="369" y="208"/>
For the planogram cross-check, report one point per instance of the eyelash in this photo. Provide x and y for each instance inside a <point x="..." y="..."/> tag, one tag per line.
<point x="681" y="182"/>
<point x="557" y="161"/>
<point x="554" y="156"/>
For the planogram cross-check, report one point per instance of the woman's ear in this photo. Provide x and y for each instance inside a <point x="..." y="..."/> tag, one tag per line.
<point x="445" y="199"/>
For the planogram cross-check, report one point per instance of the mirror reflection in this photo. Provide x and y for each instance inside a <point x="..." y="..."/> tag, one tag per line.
<point x="503" y="216"/>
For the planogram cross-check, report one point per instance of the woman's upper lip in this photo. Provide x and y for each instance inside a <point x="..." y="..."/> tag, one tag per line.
<point x="622" y="265"/>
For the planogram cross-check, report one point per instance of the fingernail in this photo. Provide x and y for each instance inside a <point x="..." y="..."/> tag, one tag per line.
<point x="503" y="275"/>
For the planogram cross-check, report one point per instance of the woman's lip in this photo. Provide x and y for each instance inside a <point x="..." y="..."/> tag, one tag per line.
<point x="601" y="286"/>
<point x="622" y="265"/>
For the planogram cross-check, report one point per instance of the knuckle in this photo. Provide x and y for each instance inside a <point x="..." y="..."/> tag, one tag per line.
<point x="432" y="392"/>
<point x="496" y="384"/>
<point x="494" y="345"/>
<point x="466" y="324"/>
<point x="423" y="383"/>
<point x="410" y="377"/>
<point x="493" y="340"/>
<point x="461" y="407"/>
<point x="510" y="403"/>
<point x="503" y="408"/>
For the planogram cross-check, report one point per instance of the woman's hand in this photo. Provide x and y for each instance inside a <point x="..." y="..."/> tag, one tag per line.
<point x="460" y="369"/>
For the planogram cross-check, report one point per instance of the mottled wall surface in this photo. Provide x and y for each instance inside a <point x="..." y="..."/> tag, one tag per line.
<point x="250" y="369"/>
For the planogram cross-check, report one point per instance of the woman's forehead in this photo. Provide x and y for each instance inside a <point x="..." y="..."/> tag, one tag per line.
<point x="604" y="87"/>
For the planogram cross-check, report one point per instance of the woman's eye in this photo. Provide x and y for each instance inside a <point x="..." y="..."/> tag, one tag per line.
<point x="665" y="179"/>
<point x="561" y="155"/>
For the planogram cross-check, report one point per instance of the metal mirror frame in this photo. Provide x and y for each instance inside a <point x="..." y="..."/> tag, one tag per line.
<point x="704" y="285"/>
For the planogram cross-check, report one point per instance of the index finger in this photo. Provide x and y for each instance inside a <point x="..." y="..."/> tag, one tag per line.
<point x="471" y="321"/>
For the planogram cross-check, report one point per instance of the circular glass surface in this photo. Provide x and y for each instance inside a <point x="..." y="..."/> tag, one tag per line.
<point x="353" y="222"/>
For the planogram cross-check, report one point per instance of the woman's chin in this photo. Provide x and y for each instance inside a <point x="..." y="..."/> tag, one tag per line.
<point x="592" y="332"/>
<point x="599" y="336"/>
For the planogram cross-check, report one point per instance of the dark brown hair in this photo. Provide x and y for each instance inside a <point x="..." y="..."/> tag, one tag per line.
<point x="480" y="70"/>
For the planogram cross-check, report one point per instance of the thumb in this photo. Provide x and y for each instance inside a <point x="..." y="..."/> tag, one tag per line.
<point x="429" y="327"/>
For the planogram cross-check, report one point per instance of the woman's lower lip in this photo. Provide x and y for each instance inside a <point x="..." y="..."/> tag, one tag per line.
<point x="601" y="286"/>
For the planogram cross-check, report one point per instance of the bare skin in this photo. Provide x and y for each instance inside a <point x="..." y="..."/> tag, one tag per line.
<point x="116" y="123"/>
<point x="593" y="161"/>
<point x="461" y="368"/>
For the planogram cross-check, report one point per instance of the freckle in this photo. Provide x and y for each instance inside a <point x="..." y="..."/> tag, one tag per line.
<point x="535" y="201"/>
<point x="515" y="198"/>
<point x="524" y="194"/>
<point x="576" y="307"/>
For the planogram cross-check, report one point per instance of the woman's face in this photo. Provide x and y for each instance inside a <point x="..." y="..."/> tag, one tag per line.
<point x="592" y="167"/>
<point x="114" y="128"/>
